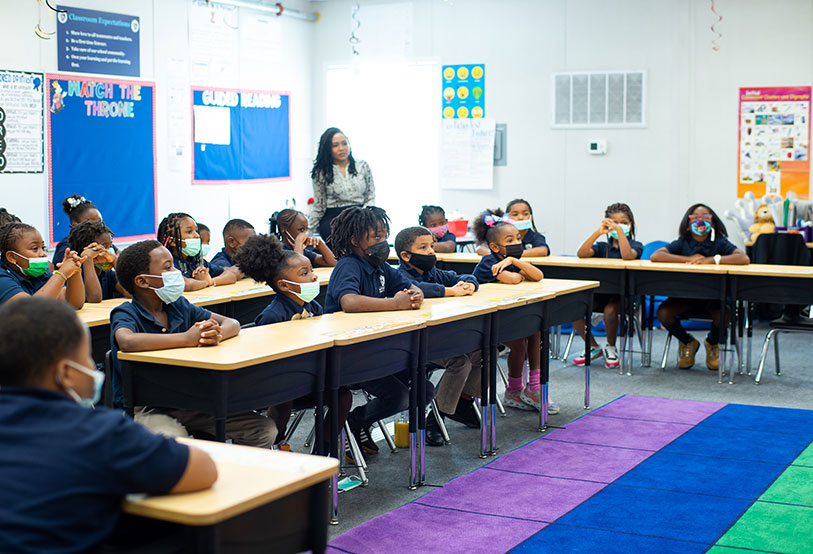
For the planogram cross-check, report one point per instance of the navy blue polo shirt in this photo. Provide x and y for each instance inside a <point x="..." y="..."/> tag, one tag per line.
<point x="131" y="315"/>
<point x="108" y="280"/>
<point x="433" y="283"/>
<point x="308" y="252"/>
<point x="189" y="265"/>
<point x="448" y="237"/>
<point x="607" y="250"/>
<point x="12" y="283"/>
<point x="482" y="272"/>
<point x="532" y="239"/>
<point x="65" y="470"/>
<point x="283" y="308"/>
<point x="220" y="262"/>
<point x="354" y="275"/>
<point x="59" y="251"/>
<point x="709" y="249"/>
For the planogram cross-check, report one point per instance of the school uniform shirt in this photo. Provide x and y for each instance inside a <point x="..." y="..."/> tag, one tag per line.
<point x="181" y="315"/>
<point x="308" y="252"/>
<point x="607" y="250"/>
<point x="59" y="251"/>
<point x="220" y="262"/>
<point x="65" y="470"/>
<point x="690" y="247"/>
<point x="189" y="265"/>
<point x="482" y="271"/>
<point x="433" y="283"/>
<point x="354" y="275"/>
<point x="108" y="281"/>
<point x="449" y="237"/>
<point x="12" y="283"/>
<point x="532" y="239"/>
<point x="283" y="308"/>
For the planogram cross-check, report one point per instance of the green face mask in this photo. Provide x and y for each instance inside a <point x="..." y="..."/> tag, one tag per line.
<point x="36" y="266"/>
<point x="192" y="247"/>
<point x="103" y="266"/>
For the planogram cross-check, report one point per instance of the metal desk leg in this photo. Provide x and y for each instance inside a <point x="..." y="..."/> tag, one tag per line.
<point x="723" y="331"/>
<point x="545" y="373"/>
<point x="750" y="335"/>
<point x="588" y="335"/>
<point x="491" y="411"/>
<point x="413" y="427"/>
<point x="489" y="365"/>
<point x="422" y="349"/>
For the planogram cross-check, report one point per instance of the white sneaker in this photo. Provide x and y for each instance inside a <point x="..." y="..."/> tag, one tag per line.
<point x="553" y="407"/>
<point x="610" y="356"/>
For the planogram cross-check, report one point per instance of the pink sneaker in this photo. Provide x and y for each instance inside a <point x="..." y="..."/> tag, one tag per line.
<point x="515" y="400"/>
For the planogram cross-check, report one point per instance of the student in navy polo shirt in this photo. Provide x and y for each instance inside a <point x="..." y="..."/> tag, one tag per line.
<point x="65" y="467"/>
<point x="159" y="317"/>
<point x="178" y="232"/>
<point x="292" y="231"/>
<point x="24" y="268"/>
<point x="434" y="219"/>
<point x="235" y="233"/>
<point x="94" y="240"/>
<point x="79" y="210"/>
<point x="702" y="239"/>
<point x="290" y="274"/>
<point x="363" y="281"/>
<point x="205" y="239"/>
<point x="521" y="213"/>
<point x="461" y="379"/>
<point x="618" y="226"/>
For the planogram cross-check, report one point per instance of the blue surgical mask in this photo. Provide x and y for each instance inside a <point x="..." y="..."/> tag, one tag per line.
<point x="624" y="227"/>
<point x="192" y="247"/>
<point x="173" y="286"/>
<point x="205" y="249"/>
<point x="698" y="231"/>
<point x="307" y="291"/>
<point x="98" y="383"/>
<point x="523" y="224"/>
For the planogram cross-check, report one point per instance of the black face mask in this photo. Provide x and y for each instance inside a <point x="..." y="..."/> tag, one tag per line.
<point x="378" y="253"/>
<point x="424" y="262"/>
<point x="514" y="250"/>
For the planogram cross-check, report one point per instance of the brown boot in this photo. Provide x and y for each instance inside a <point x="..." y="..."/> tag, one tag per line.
<point x="712" y="356"/>
<point x="686" y="354"/>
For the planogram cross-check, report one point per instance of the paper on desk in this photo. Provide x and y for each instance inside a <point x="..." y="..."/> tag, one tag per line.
<point x="358" y="331"/>
<point x="447" y="309"/>
<point x="253" y="457"/>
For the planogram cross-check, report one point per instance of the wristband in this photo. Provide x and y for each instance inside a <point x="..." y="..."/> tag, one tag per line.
<point x="717" y="259"/>
<point x="57" y="272"/>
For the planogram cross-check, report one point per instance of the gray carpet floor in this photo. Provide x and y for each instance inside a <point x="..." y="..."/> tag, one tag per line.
<point x="389" y="472"/>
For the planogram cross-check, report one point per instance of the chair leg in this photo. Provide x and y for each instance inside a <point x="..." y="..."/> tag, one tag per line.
<point x="387" y="436"/>
<point x="293" y="425"/>
<point x="441" y="424"/>
<point x="666" y="351"/>
<point x="776" y="353"/>
<point x="311" y="437"/>
<point x="764" y="354"/>
<point x="479" y="411"/>
<point x="500" y="407"/>
<point x="355" y="451"/>
<point x="568" y="346"/>
<point x="503" y="376"/>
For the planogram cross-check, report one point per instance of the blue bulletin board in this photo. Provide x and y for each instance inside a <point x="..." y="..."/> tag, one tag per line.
<point x="101" y="143"/>
<point x="464" y="91"/>
<point x="240" y="135"/>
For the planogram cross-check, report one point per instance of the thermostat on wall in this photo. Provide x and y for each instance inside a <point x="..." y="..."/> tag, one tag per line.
<point x="597" y="147"/>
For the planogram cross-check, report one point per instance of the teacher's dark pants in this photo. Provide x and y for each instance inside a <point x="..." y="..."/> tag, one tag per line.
<point x="324" y="223"/>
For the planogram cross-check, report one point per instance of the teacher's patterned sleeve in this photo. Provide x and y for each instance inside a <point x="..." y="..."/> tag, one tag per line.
<point x="369" y="190"/>
<point x="319" y="202"/>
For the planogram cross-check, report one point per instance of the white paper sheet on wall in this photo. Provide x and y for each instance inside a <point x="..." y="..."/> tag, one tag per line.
<point x="212" y="125"/>
<point x="260" y="50"/>
<point x="383" y="31"/>
<point x="21" y="130"/>
<point x="214" y="45"/>
<point x="467" y="153"/>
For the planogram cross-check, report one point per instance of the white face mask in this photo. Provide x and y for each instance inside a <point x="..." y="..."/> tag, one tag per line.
<point x="173" y="286"/>
<point x="98" y="383"/>
<point x="307" y="291"/>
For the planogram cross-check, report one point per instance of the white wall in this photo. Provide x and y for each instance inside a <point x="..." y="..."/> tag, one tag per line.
<point x="687" y="152"/>
<point x="164" y="37"/>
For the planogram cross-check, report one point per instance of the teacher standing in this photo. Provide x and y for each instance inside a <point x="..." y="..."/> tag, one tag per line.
<point x="339" y="181"/>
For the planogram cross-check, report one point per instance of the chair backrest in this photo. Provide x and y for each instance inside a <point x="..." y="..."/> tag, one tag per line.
<point x="780" y="249"/>
<point x="650" y="247"/>
<point x="107" y="390"/>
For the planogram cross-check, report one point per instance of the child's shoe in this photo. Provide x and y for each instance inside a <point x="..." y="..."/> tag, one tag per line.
<point x="530" y="398"/>
<point x="712" y="356"/>
<point x="514" y="400"/>
<point x="610" y="357"/>
<point x="686" y="354"/>
<point x="595" y="354"/>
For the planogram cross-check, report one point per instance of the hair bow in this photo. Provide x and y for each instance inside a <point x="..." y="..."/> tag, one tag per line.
<point x="73" y="202"/>
<point x="492" y="219"/>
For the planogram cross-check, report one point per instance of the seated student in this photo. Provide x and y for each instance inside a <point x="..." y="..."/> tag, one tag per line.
<point x="533" y="242"/>
<point x="24" y="268"/>
<point x="79" y="209"/>
<point x="619" y="227"/>
<point x="205" y="239"/>
<point x="702" y="239"/>
<point x="291" y="276"/>
<point x="235" y="234"/>
<point x="434" y="219"/>
<point x="292" y="231"/>
<point x="502" y="265"/>
<point x="159" y="317"/>
<point x="65" y="467"/>
<point x="94" y="240"/>
<point x="178" y="232"/>
<point x="6" y="217"/>
<point x="461" y="379"/>
<point x="363" y="281"/>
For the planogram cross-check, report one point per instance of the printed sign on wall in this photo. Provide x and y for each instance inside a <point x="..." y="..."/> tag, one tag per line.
<point x="464" y="91"/>
<point x="21" y="130"/>
<point x="90" y="41"/>
<point x="774" y="146"/>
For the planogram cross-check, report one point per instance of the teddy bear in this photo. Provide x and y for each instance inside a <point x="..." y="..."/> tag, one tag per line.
<point x="763" y="222"/>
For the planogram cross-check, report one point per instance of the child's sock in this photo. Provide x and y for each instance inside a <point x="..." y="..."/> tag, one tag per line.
<point x="514" y="384"/>
<point x="679" y="332"/>
<point x="533" y="380"/>
<point x="714" y="334"/>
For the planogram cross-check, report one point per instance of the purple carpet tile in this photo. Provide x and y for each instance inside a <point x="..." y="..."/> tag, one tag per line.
<point x="624" y="433"/>
<point x="570" y="460"/>
<point x="689" y="412"/>
<point x="519" y="495"/>
<point x="414" y="528"/>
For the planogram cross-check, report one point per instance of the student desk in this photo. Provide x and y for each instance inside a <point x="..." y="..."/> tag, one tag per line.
<point x="263" y="500"/>
<point x="261" y="367"/>
<point x="779" y="284"/>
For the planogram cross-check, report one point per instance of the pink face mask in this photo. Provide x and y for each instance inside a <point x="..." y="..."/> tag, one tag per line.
<point x="439" y="231"/>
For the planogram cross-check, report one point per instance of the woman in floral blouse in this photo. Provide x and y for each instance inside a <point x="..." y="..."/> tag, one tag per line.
<point x="339" y="181"/>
